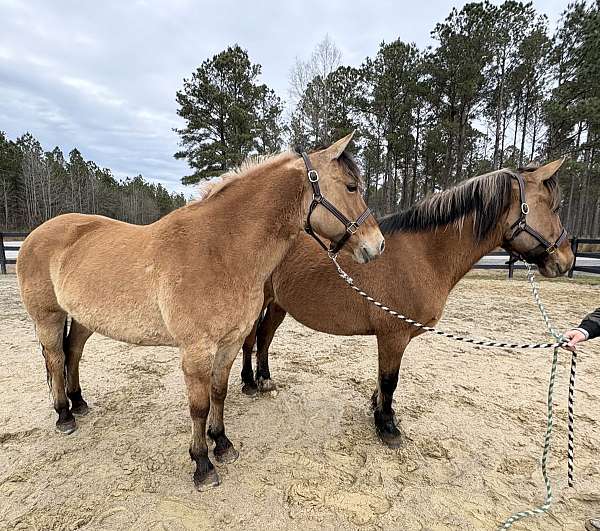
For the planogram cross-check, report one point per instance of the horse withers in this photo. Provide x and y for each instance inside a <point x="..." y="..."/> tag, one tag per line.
<point x="429" y="248"/>
<point x="193" y="279"/>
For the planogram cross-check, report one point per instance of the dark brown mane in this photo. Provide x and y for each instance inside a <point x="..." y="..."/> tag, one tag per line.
<point x="486" y="196"/>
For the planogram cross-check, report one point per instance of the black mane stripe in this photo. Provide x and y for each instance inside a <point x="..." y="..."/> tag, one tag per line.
<point x="487" y="197"/>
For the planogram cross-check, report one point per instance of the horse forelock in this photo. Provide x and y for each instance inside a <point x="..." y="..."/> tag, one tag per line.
<point x="487" y="197"/>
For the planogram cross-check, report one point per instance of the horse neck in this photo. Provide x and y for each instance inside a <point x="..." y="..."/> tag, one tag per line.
<point x="454" y="250"/>
<point x="260" y="214"/>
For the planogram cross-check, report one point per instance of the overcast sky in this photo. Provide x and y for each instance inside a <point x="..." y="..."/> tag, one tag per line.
<point x="102" y="76"/>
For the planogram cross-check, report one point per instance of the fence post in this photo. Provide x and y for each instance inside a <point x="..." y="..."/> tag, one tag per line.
<point x="574" y="248"/>
<point x="2" y="255"/>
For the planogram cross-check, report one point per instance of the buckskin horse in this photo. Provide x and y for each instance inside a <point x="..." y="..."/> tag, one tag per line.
<point x="429" y="248"/>
<point x="193" y="279"/>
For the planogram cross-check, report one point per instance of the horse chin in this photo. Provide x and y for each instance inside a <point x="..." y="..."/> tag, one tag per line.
<point x="550" y="269"/>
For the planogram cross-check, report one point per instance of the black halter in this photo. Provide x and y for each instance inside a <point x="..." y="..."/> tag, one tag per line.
<point x="520" y="225"/>
<point x="319" y="199"/>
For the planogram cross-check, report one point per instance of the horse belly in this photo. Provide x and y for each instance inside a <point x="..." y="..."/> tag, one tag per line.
<point x="331" y="316"/>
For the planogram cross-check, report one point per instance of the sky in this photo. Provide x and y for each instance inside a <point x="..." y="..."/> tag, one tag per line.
<point x="102" y="76"/>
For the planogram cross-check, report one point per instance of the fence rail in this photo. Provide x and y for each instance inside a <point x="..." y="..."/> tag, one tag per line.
<point x="3" y="248"/>
<point x="575" y="242"/>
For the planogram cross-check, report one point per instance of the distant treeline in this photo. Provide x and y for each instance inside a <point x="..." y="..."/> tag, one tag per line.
<point x="36" y="185"/>
<point x="499" y="88"/>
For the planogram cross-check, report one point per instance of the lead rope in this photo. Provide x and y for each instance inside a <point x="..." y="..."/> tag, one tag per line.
<point x="560" y="341"/>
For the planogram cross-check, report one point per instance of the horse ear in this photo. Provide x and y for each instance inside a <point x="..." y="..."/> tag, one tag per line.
<point x="543" y="173"/>
<point x="336" y="149"/>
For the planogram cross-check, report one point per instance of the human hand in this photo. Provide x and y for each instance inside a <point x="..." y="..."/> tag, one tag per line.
<point x="574" y="337"/>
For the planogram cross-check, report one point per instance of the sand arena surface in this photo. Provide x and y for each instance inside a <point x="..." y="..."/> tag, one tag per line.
<point x="473" y="421"/>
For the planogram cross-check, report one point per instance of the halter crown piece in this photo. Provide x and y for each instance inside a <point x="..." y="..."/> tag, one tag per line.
<point x="520" y="225"/>
<point x="319" y="199"/>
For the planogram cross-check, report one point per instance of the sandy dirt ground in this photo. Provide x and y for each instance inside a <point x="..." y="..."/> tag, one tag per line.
<point x="473" y="421"/>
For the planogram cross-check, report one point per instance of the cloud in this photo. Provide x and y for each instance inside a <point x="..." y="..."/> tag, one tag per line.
<point x="102" y="76"/>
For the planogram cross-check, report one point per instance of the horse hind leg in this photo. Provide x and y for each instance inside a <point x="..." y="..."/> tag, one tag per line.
<point x="73" y="347"/>
<point x="50" y="329"/>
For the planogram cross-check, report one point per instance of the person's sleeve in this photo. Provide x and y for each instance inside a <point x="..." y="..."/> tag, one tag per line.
<point x="591" y="324"/>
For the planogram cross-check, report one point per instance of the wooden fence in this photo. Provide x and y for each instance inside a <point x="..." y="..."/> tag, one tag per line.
<point x="3" y="248"/>
<point x="575" y="242"/>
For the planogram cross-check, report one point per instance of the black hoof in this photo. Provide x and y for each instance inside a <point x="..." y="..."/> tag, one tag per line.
<point x="207" y="481"/>
<point x="386" y="429"/>
<point x="249" y="389"/>
<point x="226" y="456"/>
<point x="80" y="409"/>
<point x="391" y="438"/>
<point x="266" y="385"/>
<point x="66" y="427"/>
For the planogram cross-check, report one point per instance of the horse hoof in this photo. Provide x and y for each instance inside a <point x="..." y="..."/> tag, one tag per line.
<point x="67" y="427"/>
<point x="228" y="456"/>
<point x="80" y="409"/>
<point x="249" y="389"/>
<point x="392" y="439"/>
<point x="209" y="481"/>
<point x="266" y="385"/>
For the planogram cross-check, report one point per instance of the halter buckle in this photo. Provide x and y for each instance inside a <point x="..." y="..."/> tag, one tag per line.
<point x="313" y="176"/>
<point x="525" y="208"/>
<point x="552" y="249"/>
<point x="352" y="228"/>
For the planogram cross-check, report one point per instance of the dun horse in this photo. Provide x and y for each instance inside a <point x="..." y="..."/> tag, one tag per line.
<point x="194" y="279"/>
<point x="429" y="248"/>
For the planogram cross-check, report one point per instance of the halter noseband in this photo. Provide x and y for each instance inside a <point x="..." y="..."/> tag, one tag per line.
<point x="520" y="225"/>
<point x="319" y="199"/>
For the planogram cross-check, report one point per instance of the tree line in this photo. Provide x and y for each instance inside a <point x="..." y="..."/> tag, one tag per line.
<point x="498" y="89"/>
<point x="36" y="185"/>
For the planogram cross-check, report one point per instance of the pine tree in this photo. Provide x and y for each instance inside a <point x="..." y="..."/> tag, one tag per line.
<point x="228" y="114"/>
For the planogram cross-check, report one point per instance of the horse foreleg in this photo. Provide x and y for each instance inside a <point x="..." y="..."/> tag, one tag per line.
<point x="391" y="348"/>
<point x="249" y="387"/>
<point x="224" y="450"/>
<point x="196" y="365"/>
<point x="265" y="334"/>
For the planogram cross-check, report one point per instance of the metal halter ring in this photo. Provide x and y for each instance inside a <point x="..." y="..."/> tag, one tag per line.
<point x="318" y="199"/>
<point x="352" y="228"/>
<point x="525" y="208"/>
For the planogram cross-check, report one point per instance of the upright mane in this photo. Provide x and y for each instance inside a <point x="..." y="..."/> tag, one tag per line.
<point x="211" y="188"/>
<point x="487" y="197"/>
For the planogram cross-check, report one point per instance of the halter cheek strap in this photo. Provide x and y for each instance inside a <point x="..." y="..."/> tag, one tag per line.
<point x="520" y="225"/>
<point x="319" y="199"/>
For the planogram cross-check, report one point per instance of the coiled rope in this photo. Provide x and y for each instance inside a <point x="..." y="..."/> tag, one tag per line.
<point x="559" y="342"/>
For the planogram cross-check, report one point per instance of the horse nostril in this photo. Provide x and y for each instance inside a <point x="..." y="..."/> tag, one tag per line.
<point x="381" y="246"/>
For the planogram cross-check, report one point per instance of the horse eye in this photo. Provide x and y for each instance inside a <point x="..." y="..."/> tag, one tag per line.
<point x="351" y="187"/>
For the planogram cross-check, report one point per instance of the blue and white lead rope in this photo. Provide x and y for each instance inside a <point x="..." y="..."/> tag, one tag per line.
<point x="560" y="341"/>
